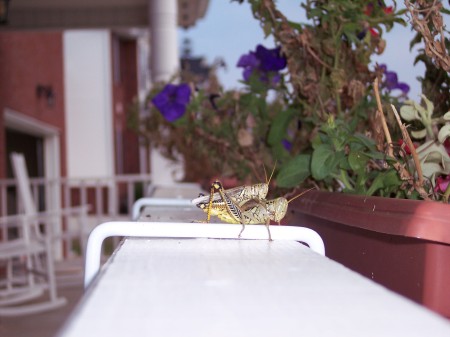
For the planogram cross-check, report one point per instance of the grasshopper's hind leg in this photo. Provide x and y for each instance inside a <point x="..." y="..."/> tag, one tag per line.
<point x="268" y="229"/>
<point x="240" y="233"/>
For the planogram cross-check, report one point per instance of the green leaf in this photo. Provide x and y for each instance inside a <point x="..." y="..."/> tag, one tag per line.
<point x="279" y="126"/>
<point x="409" y="113"/>
<point x="419" y="134"/>
<point x="429" y="105"/>
<point x="429" y="170"/>
<point x="324" y="160"/>
<point x="357" y="160"/>
<point x="295" y="171"/>
<point x="444" y="133"/>
<point x="423" y="113"/>
<point x="384" y="180"/>
<point x="362" y="139"/>
<point x="280" y="153"/>
<point x="267" y="28"/>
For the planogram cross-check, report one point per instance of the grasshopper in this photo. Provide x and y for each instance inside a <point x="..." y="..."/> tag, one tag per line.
<point x="254" y="211"/>
<point x="214" y="203"/>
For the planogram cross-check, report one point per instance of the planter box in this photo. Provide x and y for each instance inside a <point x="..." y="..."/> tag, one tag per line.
<point x="401" y="244"/>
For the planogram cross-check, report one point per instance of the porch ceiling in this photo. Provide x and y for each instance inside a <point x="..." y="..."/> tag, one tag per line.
<point x="67" y="14"/>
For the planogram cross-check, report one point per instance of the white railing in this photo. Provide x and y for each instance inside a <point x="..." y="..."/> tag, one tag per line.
<point x="108" y="197"/>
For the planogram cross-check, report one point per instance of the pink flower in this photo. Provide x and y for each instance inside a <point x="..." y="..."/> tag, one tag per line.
<point x="406" y="147"/>
<point x="442" y="184"/>
<point x="447" y="146"/>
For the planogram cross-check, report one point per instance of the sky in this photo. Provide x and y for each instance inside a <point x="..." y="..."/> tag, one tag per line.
<point x="229" y="30"/>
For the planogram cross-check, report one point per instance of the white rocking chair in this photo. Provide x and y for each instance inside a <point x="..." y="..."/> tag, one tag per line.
<point x="28" y="260"/>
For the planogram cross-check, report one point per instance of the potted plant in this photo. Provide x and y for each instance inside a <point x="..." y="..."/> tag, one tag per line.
<point x="318" y="109"/>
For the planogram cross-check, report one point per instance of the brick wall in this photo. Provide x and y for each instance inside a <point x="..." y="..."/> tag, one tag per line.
<point x="28" y="59"/>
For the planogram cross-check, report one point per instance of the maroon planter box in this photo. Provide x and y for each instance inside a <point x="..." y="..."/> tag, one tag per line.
<point x="401" y="244"/>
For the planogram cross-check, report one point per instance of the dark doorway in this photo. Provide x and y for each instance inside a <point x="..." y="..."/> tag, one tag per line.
<point x="32" y="148"/>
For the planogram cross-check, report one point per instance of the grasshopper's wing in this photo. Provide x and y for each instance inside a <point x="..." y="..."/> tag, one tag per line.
<point x="254" y="212"/>
<point x="202" y="199"/>
<point x="250" y="213"/>
<point x="232" y="193"/>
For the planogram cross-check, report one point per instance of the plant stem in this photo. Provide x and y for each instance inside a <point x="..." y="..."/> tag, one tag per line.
<point x="420" y="180"/>
<point x="343" y="177"/>
<point x="387" y="134"/>
<point x="446" y="194"/>
<point x="337" y="55"/>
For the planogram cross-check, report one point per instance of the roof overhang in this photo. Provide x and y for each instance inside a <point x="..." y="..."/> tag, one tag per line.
<point x="72" y="14"/>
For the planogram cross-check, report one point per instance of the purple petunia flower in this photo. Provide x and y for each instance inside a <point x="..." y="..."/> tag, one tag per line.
<point x="391" y="82"/>
<point x="172" y="101"/>
<point x="263" y="61"/>
<point x="270" y="59"/>
<point x="287" y="144"/>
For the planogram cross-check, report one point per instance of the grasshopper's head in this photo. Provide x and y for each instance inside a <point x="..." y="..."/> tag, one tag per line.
<point x="277" y="208"/>
<point x="217" y="185"/>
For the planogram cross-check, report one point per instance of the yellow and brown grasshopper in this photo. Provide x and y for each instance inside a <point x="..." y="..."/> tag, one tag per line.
<point x="215" y="203"/>
<point x="249" y="212"/>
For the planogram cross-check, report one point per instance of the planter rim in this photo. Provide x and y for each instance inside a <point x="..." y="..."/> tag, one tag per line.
<point x="426" y="220"/>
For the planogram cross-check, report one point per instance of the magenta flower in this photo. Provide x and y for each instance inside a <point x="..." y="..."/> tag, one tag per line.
<point x="442" y="184"/>
<point x="265" y="62"/>
<point x="172" y="101"/>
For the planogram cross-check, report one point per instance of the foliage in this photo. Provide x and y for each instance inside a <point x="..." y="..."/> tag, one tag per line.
<point x="310" y="107"/>
<point x="432" y="37"/>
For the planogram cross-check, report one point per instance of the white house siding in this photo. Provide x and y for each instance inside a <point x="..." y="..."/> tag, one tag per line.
<point x="88" y="103"/>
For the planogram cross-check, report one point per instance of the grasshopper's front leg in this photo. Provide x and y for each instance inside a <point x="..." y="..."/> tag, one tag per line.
<point x="209" y="205"/>
<point x="208" y="211"/>
<point x="233" y="210"/>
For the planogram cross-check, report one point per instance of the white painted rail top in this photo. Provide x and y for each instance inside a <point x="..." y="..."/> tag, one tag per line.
<point x="188" y="230"/>
<point x="240" y="288"/>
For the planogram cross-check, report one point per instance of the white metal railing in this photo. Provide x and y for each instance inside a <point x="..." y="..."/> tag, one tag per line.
<point x="108" y="197"/>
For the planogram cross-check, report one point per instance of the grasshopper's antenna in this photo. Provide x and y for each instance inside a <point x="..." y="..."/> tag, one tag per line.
<point x="265" y="172"/>
<point x="299" y="195"/>
<point x="271" y="175"/>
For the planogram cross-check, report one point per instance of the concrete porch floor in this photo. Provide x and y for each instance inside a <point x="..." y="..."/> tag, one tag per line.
<point x="47" y="324"/>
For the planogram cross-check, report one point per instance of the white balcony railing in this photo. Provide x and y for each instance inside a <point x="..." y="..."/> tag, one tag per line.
<point x="108" y="198"/>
